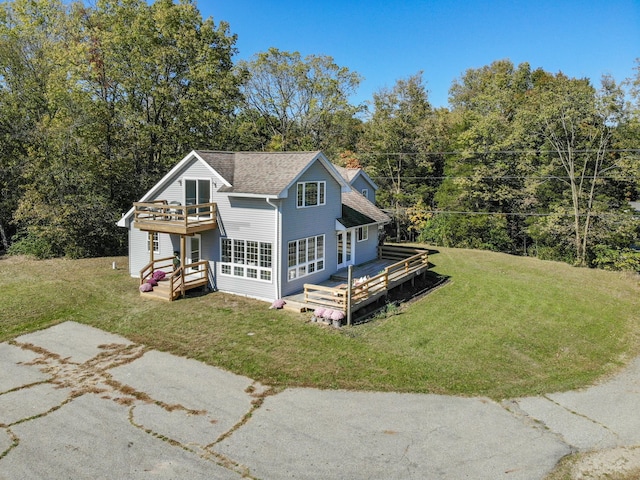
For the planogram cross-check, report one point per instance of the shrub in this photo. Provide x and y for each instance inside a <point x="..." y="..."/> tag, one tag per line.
<point x="609" y="258"/>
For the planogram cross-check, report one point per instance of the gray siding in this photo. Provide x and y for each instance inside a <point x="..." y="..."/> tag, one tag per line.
<point x="360" y="184"/>
<point x="245" y="219"/>
<point x="301" y="223"/>
<point x="367" y="249"/>
<point x="173" y="192"/>
<point x="139" y="256"/>
<point x="254" y="219"/>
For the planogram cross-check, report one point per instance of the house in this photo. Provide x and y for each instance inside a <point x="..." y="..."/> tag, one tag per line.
<point x="254" y="223"/>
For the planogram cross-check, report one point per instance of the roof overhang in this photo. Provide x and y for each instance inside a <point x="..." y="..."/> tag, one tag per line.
<point x="126" y="218"/>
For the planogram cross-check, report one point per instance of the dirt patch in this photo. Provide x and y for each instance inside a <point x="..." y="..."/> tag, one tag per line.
<point x="619" y="463"/>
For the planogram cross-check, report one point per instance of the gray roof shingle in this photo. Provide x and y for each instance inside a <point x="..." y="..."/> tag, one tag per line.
<point x="357" y="211"/>
<point x="270" y="173"/>
<point x="260" y="173"/>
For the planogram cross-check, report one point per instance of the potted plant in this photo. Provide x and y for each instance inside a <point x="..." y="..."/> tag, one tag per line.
<point x="336" y="317"/>
<point x="317" y="314"/>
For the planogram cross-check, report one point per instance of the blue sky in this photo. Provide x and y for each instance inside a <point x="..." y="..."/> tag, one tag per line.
<point x="388" y="40"/>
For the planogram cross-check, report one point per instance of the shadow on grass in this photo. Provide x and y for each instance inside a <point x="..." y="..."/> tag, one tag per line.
<point x="403" y="294"/>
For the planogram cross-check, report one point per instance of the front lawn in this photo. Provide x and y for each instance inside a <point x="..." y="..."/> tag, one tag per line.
<point x="502" y="327"/>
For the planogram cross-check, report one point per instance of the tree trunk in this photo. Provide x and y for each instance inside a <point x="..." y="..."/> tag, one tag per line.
<point x="3" y="237"/>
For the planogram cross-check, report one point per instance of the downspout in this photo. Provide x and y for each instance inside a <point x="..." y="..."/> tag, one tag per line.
<point x="278" y="241"/>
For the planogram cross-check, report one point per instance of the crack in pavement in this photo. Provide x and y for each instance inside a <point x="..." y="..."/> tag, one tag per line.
<point x="93" y="377"/>
<point x="581" y="415"/>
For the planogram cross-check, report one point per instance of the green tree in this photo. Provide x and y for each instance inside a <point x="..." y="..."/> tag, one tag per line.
<point x="488" y="175"/>
<point x="163" y="76"/>
<point x="298" y="104"/>
<point x="576" y="124"/>
<point x="112" y="96"/>
<point x="400" y="147"/>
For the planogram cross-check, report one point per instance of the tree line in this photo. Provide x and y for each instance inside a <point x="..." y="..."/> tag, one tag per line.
<point x="98" y="102"/>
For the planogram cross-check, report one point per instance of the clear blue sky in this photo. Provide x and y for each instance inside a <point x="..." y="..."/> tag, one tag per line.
<point x="391" y="39"/>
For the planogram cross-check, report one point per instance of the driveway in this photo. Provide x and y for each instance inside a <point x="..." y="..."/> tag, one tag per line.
<point x="77" y="402"/>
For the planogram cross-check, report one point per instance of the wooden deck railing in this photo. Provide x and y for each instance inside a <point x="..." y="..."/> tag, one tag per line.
<point x="163" y="216"/>
<point x="164" y="264"/>
<point x="185" y="278"/>
<point x="390" y="277"/>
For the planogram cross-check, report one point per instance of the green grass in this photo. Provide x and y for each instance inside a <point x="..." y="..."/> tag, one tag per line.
<point x="502" y="327"/>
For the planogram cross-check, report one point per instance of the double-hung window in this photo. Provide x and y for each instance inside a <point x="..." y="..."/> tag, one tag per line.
<point x="305" y="256"/>
<point x="155" y="243"/>
<point x="362" y="233"/>
<point x="246" y="258"/>
<point x="311" y="194"/>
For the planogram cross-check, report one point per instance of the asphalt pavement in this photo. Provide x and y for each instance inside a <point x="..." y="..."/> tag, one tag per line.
<point x="80" y="403"/>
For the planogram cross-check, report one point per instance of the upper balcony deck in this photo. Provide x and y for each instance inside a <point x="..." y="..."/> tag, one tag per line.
<point x="163" y="217"/>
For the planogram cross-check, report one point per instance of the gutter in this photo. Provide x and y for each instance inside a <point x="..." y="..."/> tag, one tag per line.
<point x="278" y="252"/>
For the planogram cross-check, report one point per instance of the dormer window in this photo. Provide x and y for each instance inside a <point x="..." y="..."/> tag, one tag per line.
<point x="365" y="193"/>
<point x="311" y="194"/>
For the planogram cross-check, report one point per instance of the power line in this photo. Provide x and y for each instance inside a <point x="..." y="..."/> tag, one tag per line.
<point x="504" y="177"/>
<point x="513" y="214"/>
<point x="507" y="152"/>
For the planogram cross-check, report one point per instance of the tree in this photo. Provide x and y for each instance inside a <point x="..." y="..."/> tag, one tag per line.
<point x="111" y="96"/>
<point x="486" y="176"/>
<point x="397" y="148"/>
<point x="576" y="123"/>
<point x="164" y="78"/>
<point x="299" y="104"/>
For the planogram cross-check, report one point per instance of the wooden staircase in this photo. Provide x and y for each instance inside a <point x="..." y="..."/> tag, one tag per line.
<point x="177" y="282"/>
<point x="162" y="291"/>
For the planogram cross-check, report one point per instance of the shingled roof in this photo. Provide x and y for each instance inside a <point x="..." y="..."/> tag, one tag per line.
<point x="258" y="173"/>
<point x="271" y="174"/>
<point x="358" y="211"/>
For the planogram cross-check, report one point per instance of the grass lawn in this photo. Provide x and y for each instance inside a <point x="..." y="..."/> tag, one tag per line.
<point x="503" y="326"/>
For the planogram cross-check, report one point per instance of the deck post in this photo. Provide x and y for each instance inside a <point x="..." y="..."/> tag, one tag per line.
<point x="183" y="248"/>
<point x="349" y="287"/>
<point x="151" y="259"/>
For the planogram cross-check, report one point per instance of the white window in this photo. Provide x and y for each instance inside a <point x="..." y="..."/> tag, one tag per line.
<point x="311" y="194"/>
<point x="305" y="256"/>
<point x="155" y="241"/>
<point x="362" y="233"/>
<point x="246" y="258"/>
<point x="197" y="192"/>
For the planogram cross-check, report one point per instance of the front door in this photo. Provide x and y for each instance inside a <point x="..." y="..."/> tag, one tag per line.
<point x="345" y="248"/>
<point x="194" y="245"/>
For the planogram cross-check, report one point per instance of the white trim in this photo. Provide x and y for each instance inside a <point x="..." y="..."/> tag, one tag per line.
<point x="296" y="268"/>
<point x="155" y="235"/>
<point x="232" y="265"/>
<point x="277" y="268"/>
<point x="166" y="180"/>
<point x="362" y="173"/>
<point x="362" y="228"/>
<point x="351" y="232"/>
<point x="330" y="168"/>
<point x="321" y="194"/>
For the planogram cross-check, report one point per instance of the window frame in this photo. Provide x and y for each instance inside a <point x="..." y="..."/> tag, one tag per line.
<point x="156" y="243"/>
<point x="199" y="182"/>
<point x="362" y="233"/>
<point x="249" y="259"/>
<point x="302" y="194"/>
<point x="305" y="256"/>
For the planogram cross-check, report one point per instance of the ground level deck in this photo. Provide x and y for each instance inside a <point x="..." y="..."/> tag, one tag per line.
<point x="350" y="291"/>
